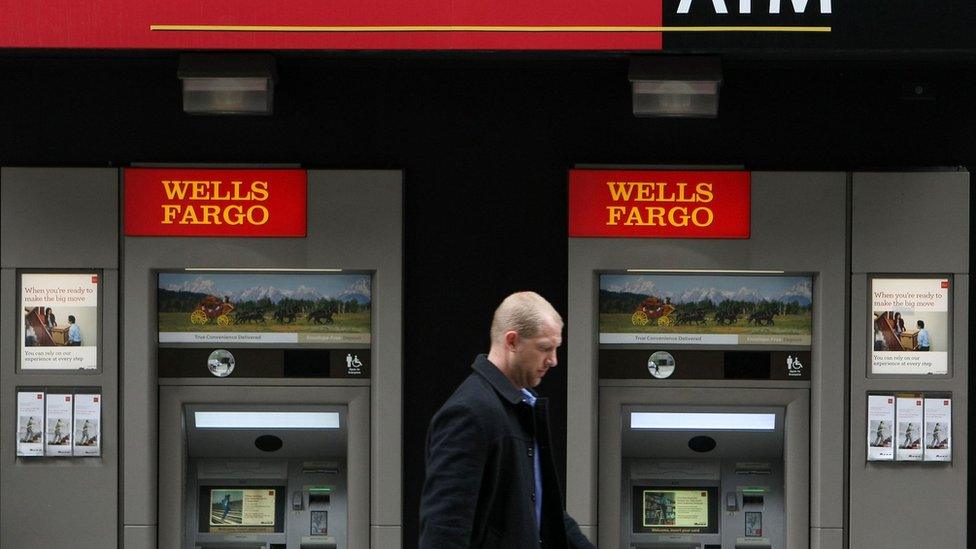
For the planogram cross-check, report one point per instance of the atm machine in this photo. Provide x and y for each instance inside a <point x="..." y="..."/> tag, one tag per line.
<point x="702" y="477"/>
<point x="254" y="475"/>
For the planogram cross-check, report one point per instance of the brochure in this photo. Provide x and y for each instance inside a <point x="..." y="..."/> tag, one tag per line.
<point x="938" y="429"/>
<point x="30" y="423"/>
<point x="881" y="421"/>
<point x="909" y="420"/>
<point x="88" y="425"/>
<point x="57" y="434"/>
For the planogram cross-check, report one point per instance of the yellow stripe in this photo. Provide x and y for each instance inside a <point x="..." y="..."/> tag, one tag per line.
<point x="471" y="28"/>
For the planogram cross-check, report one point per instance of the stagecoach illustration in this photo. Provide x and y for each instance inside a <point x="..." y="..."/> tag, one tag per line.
<point x="654" y="308"/>
<point x="212" y="308"/>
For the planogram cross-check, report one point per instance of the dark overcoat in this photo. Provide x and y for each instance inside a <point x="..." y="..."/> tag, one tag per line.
<point x="480" y="486"/>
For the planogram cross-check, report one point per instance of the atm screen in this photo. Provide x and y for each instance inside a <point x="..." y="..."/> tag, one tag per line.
<point x="675" y="509"/>
<point x="241" y="509"/>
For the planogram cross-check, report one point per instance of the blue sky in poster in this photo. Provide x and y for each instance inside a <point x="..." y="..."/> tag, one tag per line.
<point x="690" y="288"/>
<point x="276" y="286"/>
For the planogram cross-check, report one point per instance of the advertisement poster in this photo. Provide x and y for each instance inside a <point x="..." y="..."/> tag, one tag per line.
<point x="910" y="326"/>
<point x="706" y="309"/>
<point x="57" y="434"/>
<point x="88" y="425"/>
<point x="59" y="323"/>
<point x="30" y="423"/>
<point x="314" y="309"/>
<point x="908" y="440"/>
<point x="242" y="507"/>
<point x="881" y="421"/>
<point x="938" y="429"/>
<point x="678" y="508"/>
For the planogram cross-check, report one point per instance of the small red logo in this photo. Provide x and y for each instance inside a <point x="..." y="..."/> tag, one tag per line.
<point x="890" y="400"/>
<point x="95" y="399"/>
<point x="945" y="402"/>
<point x="918" y="403"/>
<point x="94" y="279"/>
<point x="67" y="398"/>
<point x="40" y="396"/>
<point x="945" y="284"/>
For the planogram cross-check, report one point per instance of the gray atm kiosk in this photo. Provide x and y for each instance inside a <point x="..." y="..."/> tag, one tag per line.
<point x="264" y="477"/>
<point x="273" y="468"/>
<point x="702" y="477"/>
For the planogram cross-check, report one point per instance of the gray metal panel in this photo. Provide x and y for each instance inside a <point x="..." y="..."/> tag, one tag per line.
<point x="799" y="224"/>
<point x="796" y="447"/>
<point x="385" y="536"/>
<point x="59" y="217"/>
<point x="826" y="538"/>
<point x="354" y="222"/>
<point x="138" y="537"/>
<point x="924" y="502"/>
<point x="172" y="454"/>
<point x="37" y="489"/>
<point x="910" y="222"/>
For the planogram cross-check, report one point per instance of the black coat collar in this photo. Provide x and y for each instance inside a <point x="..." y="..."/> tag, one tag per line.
<point x="498" y="381"/>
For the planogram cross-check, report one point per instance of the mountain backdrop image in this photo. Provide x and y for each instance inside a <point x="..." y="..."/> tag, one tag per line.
<point x="253" y="302"/>
<point x="712" y="304"/>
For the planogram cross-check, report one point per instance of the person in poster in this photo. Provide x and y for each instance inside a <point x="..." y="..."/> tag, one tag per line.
<point x="924" y="343"/>
<point x="879" y="437"/>
<point x="74" y="332"/>
<point x="909" y="436"/>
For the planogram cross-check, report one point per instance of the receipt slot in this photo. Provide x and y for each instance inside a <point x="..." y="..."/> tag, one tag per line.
<point x="288" y="472"/>
<point x="712" y="475"/>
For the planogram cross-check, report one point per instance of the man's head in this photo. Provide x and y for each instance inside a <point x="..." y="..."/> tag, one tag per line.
<point x="71" y="319"/>
<point x="525" y="333"/>
<point x="920" y="324"/>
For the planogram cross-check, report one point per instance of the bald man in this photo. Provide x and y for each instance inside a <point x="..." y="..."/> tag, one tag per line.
<point x="491" y="476"/>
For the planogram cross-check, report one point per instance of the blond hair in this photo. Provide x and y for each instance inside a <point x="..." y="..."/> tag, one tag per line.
<point x="525" y="313"/>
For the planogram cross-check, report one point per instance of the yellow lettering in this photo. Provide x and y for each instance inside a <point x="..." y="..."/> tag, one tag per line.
<point x="655" y="216"/>
<point x="614" y="214"/>
<point x="211" y="215"/>
<point x="704" y="192"/>
<point x="189" y="217"/>
<point x="200" y="190"/>
<point x="175" y="189"/>
<point x="617" y="191"/>
<point x="234" y="215"/>
<point x="678" y="216"/>
<point x="216" y="192"/>
<point x="682" y="197"/>
<point x="252" y="219"/>
<point x="169" y="213"/>
<point x="709" y="217"/>
<point x="644" y="192"/>
<point x="259" y="189"/>
<point x="634" y="218"/>
<point x="662" y="193"/>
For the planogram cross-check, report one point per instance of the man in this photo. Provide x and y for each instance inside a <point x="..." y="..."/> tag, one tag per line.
<point x="491" y="476"/>
<point x="923" y="337"/>
<point x="74" y="332"/>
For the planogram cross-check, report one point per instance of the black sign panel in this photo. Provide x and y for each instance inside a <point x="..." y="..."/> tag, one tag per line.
<point x="694" y="364"/>
<point x="820" y="25"/>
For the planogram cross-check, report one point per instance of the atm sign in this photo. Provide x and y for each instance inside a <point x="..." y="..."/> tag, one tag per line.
<point x="215" y="202"/>
<point x="659" y="204"/>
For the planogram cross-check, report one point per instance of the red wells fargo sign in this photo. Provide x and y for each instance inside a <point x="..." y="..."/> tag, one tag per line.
<point x="215" y="202"/>
<point x="659" y="204"/>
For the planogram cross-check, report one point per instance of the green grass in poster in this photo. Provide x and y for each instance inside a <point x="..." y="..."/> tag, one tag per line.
<point x="782" y="325"/>
<point x="345" y="323"/>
